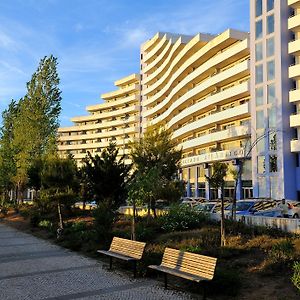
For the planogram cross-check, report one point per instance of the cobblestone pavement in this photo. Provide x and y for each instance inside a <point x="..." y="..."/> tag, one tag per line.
<point x="32" y="268"/>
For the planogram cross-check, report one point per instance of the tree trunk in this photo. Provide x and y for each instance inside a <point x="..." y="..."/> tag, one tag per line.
<point x="223" y="237"/>
<point x="61" y="224"/>
<point x="133" y="237"/>
<point x="153" y="208"/>
<point x="233" y="211"/>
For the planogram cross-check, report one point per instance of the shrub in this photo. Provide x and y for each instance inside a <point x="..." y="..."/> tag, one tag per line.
<point x="103" y="222"/>
<point x="182" y="218"/>
<point x="296" y="275"/>
<point x="282" y="251"/>
<point x="46" y="224"/>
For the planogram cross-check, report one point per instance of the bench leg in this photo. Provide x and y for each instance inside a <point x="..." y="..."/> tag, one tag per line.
<point x="134" y="269"/>
<point x="110" y="262"/>
<point x="166" y="280"/>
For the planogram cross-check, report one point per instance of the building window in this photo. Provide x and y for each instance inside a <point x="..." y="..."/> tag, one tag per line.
<point x="271" y="94"/>
<point x="259" y="96"/>
<point x="258" y="29"/>
<point x="272" y="141"/>
<point x="273" y="163"/>
<point x="270" y="5"/>
<point x="258" y="52"/>
<point x="258" y="8"/>
<point x="270" y="47"/>
<point x="260" y="119"/>
<point x="272" y="117"/>
<point x="259" y="74"/>
<point x="270" y="24"/>
<point x="271" y="70"/>
<point x="261" y="164"/>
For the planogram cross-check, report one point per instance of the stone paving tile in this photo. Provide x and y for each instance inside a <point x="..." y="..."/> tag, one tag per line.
<point x="34" y="269"/>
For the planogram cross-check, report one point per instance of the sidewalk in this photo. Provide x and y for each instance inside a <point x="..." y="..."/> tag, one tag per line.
<point x="31" y="268"/>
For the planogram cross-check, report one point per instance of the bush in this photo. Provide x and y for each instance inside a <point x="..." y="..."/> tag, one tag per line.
<point x="46" y="224"/>
<point x="182" y="218"/>
<point x="296" y="275"/>
<point x="77" y="234"/>
<point x="103" y="223"/>
<point x="282" y="252"/>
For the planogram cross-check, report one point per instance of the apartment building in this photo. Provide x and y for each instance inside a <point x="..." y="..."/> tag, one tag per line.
<point x="116" y="120"/>
<point x="275" y="95"/>
<point x="232" y="97"/>
<point x="198" y="87"/>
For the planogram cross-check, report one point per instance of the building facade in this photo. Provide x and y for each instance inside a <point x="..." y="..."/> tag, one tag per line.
<point x="116" y="120"/>
<point x="232" y="97"/>
<point x="275" y="113"/>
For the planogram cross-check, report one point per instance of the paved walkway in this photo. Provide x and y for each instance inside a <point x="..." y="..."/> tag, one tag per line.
<point x="31" y="268"/>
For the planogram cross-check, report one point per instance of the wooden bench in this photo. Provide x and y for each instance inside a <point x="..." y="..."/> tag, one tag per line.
<point x="187" y="265"/>
<point x="126" y="250"/>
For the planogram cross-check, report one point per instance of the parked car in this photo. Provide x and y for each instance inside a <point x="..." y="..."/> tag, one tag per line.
<point x="249" y="207"/>
<point x="208" y="207"/>
<point x="294" y="210"/>
<point x="189" y="202"/>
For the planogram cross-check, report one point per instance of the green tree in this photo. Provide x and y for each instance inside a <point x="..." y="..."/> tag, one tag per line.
<point x="217" y="181"/>
<point x="156" y="160"/>
<point x="36" y="126"/>
<point x="105" y="177"/>
<point x="156" y="149"/>
<point x="7" y="150"/>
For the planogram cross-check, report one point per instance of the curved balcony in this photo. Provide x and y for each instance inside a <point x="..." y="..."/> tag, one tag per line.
<point x="228" y="115"/>
<point x="201" y="73"/>
<point x="294" y="71"/>
<point x="230" y="134"/>
<point x="123" y="91"/>
<point x="294" y="47"/>
<point x="237" y="72"/>
<point x="294" y="96"/>
<point x="118" y="142"/>
<point x="294" y="3"/>
<point x="113" y="103"/>
<point x="233" y="93"/>
<point x="156" y="50"/>
<point x="106" y="115"/>
<point x="107" y="124"/>
<point x="128" y="80"/>
<point x="213" y="156"/>
<point x="203" y="57"/>
<point x="175" y="48"/>
<point x="295" y="120"/>
<point x="294" y="23"/>
<point x="105" y="134"/>
<point x="295" y="146"/>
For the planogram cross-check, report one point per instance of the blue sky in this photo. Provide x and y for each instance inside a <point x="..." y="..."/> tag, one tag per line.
<point x="96" y="41"/>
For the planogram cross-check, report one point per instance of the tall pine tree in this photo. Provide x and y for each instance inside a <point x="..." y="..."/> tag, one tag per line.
<point x="34" y="133"/>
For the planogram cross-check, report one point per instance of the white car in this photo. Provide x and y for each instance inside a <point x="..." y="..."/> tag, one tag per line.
<point x="294" y="210"/>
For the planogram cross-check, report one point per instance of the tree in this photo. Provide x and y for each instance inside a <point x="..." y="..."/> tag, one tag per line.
<point x="156" y="160"/>
<point x="105" y="177"/>
<point x="59" y="182"/>
<point x="217" y="181"/>
<point x="156" y="150"/>
<point x="7" y="151"/>
<point x="35" y="128"/>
